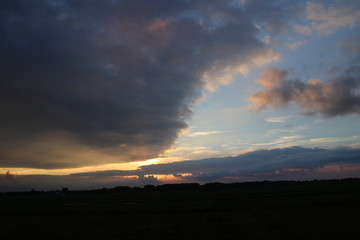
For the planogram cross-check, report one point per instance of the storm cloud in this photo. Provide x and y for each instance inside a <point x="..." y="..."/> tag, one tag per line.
<point x="337" y="97"/>
<point x="94" y="82"/>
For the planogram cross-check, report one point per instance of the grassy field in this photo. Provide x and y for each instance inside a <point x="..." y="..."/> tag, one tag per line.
<point x="270" y="210"/>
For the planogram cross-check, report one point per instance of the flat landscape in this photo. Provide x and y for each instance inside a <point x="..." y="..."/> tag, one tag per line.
<point x="291" y="210"/>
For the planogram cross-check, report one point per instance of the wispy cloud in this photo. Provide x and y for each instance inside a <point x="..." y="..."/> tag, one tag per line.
<point x="337" y="140"/>
<point x="287" y="129"/>
<point x="206" y="133"/>
<point x="280" y="119"/>
<point x="284" y="141"/>
<point x="294" y="43"/>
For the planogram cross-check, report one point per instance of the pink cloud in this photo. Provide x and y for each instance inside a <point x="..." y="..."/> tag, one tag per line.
<point x="331" y="98"/>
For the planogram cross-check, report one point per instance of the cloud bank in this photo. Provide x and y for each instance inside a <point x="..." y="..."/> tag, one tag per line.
<point x="337" y="97"/>
<point x="295" y="163"/>
<point x="94" y="82"/>
<point x="257" y="162"/>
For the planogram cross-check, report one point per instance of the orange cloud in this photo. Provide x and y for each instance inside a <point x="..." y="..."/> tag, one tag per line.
<point x="331" y="98"/>
<point x="326" y="20"/>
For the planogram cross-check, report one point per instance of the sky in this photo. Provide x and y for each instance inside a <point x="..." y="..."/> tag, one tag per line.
<point x="132" y="92"/>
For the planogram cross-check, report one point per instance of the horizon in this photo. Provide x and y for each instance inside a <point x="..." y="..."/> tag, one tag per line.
<point x="181" y="186"/>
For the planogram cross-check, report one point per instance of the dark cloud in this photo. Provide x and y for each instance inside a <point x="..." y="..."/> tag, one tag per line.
<point x="93" y="82"/>
<point x="294" y="163"/>
<point x="337" y="97"/>
<point x="257" y="162"/>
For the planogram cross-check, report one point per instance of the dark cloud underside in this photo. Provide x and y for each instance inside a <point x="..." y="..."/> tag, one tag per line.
<point x="92" y="82"/>
<point x="257" y="162"/>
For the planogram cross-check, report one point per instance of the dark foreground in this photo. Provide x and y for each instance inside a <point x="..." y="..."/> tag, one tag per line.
<point x="267" y="210"/>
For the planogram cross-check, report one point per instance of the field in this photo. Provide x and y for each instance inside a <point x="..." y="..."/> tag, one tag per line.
<point x="267" y="210"/>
